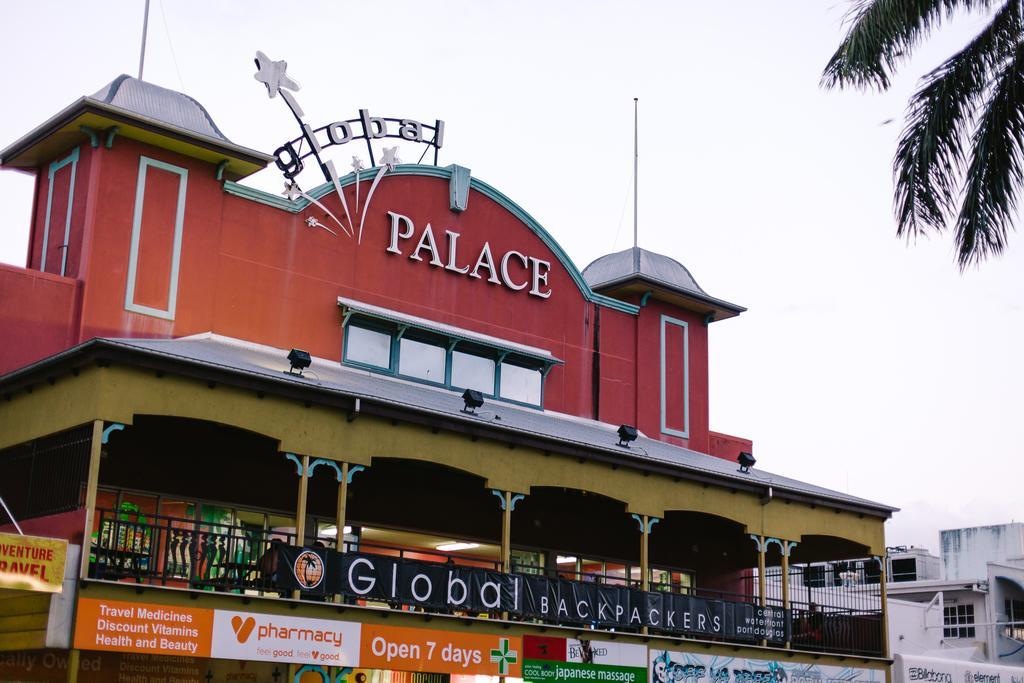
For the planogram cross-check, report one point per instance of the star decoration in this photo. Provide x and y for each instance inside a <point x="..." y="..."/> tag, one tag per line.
<point x="390" y="157"/>
<point x="292" y="191"/>
<point x="273" y="75"/>
<point x="357" y="164"/>
<point x="312" y="222"/>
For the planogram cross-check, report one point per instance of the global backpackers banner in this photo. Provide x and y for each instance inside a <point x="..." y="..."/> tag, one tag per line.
<point x="554" y="660"/>
<point x="671" y="666"/>
<point x="441" y="586"/>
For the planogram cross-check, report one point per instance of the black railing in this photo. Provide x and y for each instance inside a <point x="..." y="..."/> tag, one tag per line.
<point x="175" y="551"/>
<point x="159" y="550"/>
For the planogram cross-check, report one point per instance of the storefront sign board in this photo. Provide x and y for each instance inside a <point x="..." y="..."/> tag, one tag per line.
<point x="672" y="666"/>
<point x="565" y="659"/>
<point x="32" y="563"/>
<point x="451" y="652"/>
<point x="276" y="638"/>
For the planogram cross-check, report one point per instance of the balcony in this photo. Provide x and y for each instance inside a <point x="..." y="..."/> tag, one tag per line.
<point x="186" y="504"/>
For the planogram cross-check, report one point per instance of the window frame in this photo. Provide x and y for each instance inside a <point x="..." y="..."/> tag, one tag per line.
<point x="450" y="345"/>
<point x="958" y="621"/>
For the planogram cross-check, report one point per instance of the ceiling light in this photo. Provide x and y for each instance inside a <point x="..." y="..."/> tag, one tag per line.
<point x="456" y="545"/>
<point x="332" y="531"/>
<point x="566" y="559"/>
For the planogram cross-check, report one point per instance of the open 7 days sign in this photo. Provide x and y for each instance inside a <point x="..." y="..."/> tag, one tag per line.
<point x="115" y="626"/>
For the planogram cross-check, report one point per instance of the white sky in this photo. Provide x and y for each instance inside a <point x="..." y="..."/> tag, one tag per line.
<point x="863" y="364"/>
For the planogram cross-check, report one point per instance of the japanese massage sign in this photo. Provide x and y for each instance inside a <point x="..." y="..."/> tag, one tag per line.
<point x="115" y="626"/>
<point x="32" y="563"/>
<point x="554" y="660"/>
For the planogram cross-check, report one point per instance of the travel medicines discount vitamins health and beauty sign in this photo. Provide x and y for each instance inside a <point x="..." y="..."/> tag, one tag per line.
<point x="557" y="660"/>
<point x="130" y="627"/>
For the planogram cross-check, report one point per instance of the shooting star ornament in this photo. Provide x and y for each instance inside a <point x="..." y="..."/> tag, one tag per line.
<point x="388" y="162"/>
<point x="314" y="223"/>
<point x="274" y="75"/>
<point x="357" y="166"/>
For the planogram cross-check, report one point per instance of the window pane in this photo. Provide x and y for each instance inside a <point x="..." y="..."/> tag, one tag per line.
<point x="368" y="346"/>
<point x="472" y="372"/>
<point x="520" y="384"/>
<point x="423" y="361"/>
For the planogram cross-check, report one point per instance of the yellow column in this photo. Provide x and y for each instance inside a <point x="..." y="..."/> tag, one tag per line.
<point x="506" y="532"/>
<point x="645" y="581"/>
<point x="882" y="578"/>
<point x="91" y="484"/>
<point x="645" y="570"/>
<point x="300" y="510"/>
<point x="339" y="519"/>
<point x="762" y="583"/>
<point x="73" y="666"/>
<point x="762" y="580"/>
<point x="785" y="580"/>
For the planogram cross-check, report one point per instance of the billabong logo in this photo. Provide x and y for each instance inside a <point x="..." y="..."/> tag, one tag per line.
<point x="503" y="656"/>
<point x="308" y="569"/>
<point x="242" y="627"/>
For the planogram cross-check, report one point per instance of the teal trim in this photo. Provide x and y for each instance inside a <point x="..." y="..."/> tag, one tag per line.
<point x="665" y="429"/>
<point x="354" y="470"/>
<point x="94" y="135"/>
<point x="480" y="186"/>
<point x="54" y="167"/>
<point x="312" y="668"/>
<point x="650" y="522"/>
<point x="501" y="497"/>
<point x="515" y="499"/>
<point x="111" y="134"/>
<point x="458" y="188"/>
<point x="645" y="297"/>
<point x="113" y="427"/>
<point x="298" y="463"/>
<point x="757" y="542"/>
<point x="220" y="168"/>
<point x="324" y="461"/>
<point x="133" y="250"/>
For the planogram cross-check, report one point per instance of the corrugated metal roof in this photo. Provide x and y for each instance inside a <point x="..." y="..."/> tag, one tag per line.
<point x="160" y="104"/>
<point x="331" y="376"/>
<point x="637" y="261"/>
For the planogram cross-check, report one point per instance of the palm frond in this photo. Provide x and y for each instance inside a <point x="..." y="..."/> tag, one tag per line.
<point x="883" y="33"/>
<point x="930" y="155"/>
<point x="993" y="178"/>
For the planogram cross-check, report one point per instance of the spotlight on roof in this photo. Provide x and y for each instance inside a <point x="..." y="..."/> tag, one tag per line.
<point x="300" y="360"/>
<point x="473" y="399"/>
<point x="627" y="433"/>
<point x="746" y="461"/>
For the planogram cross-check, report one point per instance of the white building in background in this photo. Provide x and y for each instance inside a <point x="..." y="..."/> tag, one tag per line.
<point x="967" y="605"/>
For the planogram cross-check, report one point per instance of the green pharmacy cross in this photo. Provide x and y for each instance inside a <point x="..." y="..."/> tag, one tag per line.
<point x="503" y="656"/>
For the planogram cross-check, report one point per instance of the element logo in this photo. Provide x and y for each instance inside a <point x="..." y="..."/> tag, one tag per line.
<point x="503" y="656"/>
<point x="242" y="627"/>
<point x="308" y="569"/>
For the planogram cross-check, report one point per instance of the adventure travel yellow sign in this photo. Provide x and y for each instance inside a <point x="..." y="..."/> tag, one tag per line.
<point x="32" y="563"/>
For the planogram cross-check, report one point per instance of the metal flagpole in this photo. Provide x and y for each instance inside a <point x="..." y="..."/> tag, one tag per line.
<point x="8" y="511"/>
<point x="142" y="52"/>
<point x="636" y="163"/>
